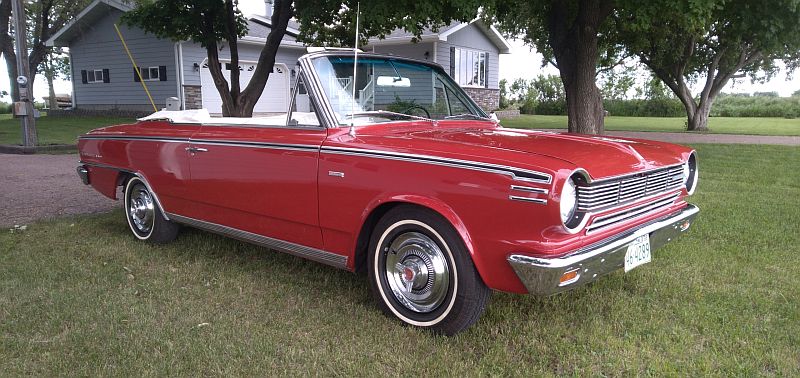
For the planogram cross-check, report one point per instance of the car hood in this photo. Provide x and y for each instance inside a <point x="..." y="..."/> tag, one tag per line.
<point x="600" y="156"/>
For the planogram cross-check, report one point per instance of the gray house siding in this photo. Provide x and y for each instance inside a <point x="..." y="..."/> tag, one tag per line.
<point x="410" y="50"/>
<point x="99" y="48"/>
<point x="470" y="37"/>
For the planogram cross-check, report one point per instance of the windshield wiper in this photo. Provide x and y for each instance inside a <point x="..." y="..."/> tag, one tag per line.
<point x="388" y="113"/>
<point x="470" y="115"/>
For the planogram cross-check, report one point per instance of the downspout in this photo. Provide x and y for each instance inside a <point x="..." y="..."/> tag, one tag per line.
<point x="179" y="73"/>
<point x="72" y="73"/>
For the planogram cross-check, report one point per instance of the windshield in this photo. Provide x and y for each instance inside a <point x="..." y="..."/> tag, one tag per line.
<point x="388" y="89"/>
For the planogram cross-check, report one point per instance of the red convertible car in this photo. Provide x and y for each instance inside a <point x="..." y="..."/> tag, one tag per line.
<point x="383" y="164"/>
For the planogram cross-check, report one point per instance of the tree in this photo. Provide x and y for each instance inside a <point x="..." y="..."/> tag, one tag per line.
<point x="712" y="41"/>
<point x="55" y="65"/>
<point x="208" y="22"/>
<point x="571" y="35"/>
<point x="504" y="100"/>
<point x="44" y="18"/>
<point x="796" y="93"/>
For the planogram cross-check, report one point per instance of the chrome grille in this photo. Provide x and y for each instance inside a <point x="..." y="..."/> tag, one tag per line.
<point x="629" y="214"/>
<point x="605" y="194"/>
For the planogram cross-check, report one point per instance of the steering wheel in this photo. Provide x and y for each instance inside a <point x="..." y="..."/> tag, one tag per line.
<point x="412" y="107"/>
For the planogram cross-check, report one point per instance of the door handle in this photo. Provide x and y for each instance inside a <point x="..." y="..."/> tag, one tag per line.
<point x="192" y="150"/>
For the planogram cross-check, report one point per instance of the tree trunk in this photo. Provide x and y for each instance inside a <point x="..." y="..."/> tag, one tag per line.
<point x="11" y="69"/>
<point x="281" y="15"/>
<point x="49" y="75"/>
<point x="574" y="42"/>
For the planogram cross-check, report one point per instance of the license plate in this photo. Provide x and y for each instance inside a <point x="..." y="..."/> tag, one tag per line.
<point x="638" y="253"/>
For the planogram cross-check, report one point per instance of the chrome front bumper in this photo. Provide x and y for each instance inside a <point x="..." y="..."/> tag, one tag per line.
<point x="541" y="276"/>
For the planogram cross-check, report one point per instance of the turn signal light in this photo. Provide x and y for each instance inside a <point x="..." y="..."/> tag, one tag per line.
<point x="569" y="277"/>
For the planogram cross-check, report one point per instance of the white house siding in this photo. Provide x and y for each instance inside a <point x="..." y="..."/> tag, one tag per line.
<point x="196" y="54"/>
<point x="100" y="48"/>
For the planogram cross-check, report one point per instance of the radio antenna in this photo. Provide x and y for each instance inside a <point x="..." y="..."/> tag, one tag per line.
<point x="355" y="72"/>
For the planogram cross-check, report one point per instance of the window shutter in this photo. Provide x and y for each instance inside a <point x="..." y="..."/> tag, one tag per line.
<point x="162" y="73"/>
<point x="84" y="79"/>
<point x="453" y="62"/>
<point x="106" y="78"/>
<point x="136" y="74"/>
<point x="486" y="70"/>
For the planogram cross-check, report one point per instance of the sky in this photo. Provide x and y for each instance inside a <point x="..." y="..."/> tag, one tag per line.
<point x="521" y="63"/>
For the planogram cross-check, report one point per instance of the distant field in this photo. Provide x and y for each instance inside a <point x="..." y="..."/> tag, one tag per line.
<point x="747" y="126"/>
<point x="64" y="130"/>
<point x="82" y="297"/>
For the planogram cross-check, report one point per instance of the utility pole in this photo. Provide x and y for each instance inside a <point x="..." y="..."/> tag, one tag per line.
<point x="24" y="108"/>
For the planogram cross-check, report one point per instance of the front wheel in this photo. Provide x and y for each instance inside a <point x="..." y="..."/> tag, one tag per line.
<point x="421" y="273"/>
<point x="144" y="215"/>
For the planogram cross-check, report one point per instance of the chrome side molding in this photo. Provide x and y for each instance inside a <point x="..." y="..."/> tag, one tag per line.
<point x="318" y="255"/>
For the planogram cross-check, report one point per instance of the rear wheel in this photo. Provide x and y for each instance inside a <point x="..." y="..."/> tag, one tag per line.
<point x="421" y="273"/>
<point x="144" y="216"/>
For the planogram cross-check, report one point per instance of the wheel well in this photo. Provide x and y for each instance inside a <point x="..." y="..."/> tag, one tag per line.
<point x="362" y="243"/>
<point x="122" y="180"/>
<point x="365" y="234"/>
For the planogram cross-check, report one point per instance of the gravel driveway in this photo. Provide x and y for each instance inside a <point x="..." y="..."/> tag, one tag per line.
<point x="45" y="186"/>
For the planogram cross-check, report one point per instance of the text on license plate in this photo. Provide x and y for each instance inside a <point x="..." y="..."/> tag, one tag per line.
<point x="638" y="252"/>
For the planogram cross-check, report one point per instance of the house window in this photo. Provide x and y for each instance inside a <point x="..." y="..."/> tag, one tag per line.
<point x="469" y="67"/>
<point x="149" y="73"/>
<point x="94" y="76"/>
<point x="155" y="73"/>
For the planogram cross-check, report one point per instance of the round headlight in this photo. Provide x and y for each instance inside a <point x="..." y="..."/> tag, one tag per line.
<point x="569" y="201"/>
<point x="572" y="218"/>
<point x="690" y="175"/>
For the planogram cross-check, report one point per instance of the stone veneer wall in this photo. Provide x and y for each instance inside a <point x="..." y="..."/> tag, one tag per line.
<point x="81" y="112"/>
<point x="194" y="97"/>
<point x="487" y="99"/>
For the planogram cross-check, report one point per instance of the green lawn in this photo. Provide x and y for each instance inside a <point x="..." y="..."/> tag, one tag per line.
<point x="751" y="126"/>
<point x="63" y="130"/>
<point x="81" y="296"/>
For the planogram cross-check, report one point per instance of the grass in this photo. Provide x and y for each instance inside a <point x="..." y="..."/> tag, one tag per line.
<point x="80" y="296"/>
<point x="56" y="130"/>
<point x="746" y="126"/>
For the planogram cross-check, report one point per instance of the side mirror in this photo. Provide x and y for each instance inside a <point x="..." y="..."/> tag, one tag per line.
<point x="293" y="123"/>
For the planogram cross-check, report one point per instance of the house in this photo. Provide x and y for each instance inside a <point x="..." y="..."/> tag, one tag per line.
<point x="104" y="78"/>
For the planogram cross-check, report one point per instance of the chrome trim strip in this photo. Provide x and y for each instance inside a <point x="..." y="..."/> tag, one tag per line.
<point x="529" y="189"/>
<point x="230" y="143"/>
<point x="274" y="146"/>
<point x="528" y="199"/>
<point x="138" y="138"/>
<point x="318" y="255"/>
<point x="101" y="165"/>
<point x="539" y="177"/>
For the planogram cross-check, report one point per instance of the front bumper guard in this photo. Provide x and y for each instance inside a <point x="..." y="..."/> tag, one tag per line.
<point x="83" y="173"/>
<point x="541" y="276"/>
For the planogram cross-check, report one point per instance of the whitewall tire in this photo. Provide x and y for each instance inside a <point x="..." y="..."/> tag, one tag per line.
<point x="421" y="273"/>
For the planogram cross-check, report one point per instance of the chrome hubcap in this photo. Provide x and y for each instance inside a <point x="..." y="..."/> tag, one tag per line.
<point x="141" y="210"/>
<point x="417" y="272"/>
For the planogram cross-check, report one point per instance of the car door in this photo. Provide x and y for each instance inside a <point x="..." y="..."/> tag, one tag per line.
<point x="259" y="178"/>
